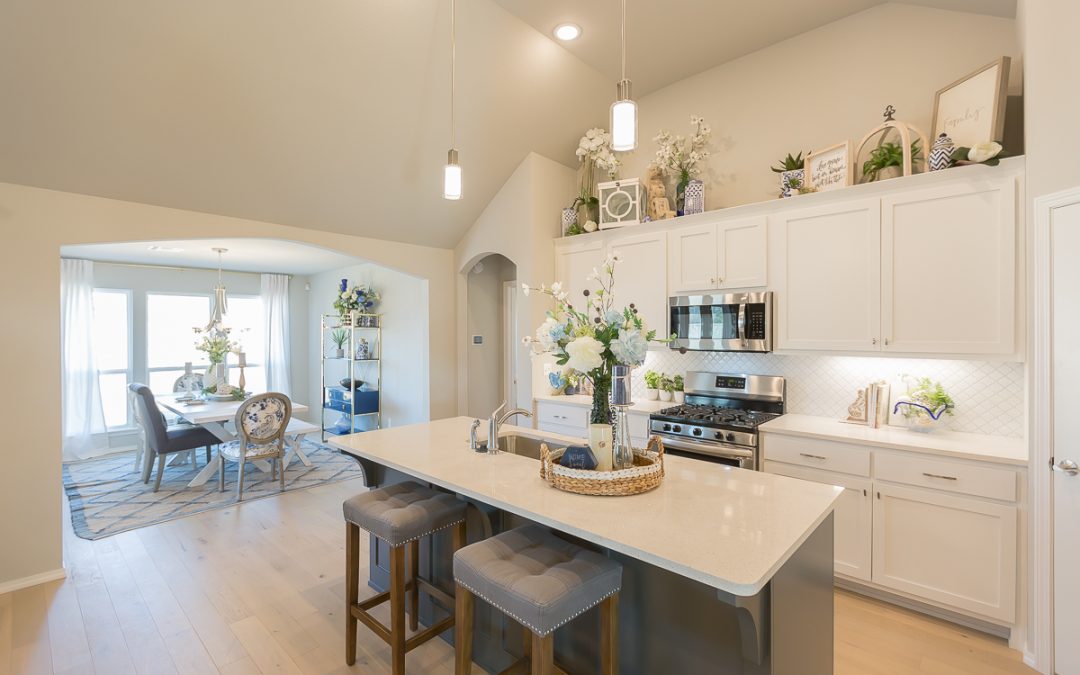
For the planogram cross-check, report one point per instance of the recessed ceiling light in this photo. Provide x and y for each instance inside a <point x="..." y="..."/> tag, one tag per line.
<point x="567" y="31"/>
<point x="166" y="249"/>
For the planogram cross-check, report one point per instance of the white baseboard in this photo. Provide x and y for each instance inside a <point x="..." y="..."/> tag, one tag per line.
<point x="32" y="580"/>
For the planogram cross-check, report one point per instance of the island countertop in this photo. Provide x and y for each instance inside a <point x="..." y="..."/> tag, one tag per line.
<point x="728" y="528"/>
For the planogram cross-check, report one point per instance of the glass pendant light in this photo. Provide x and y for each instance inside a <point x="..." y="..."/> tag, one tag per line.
<point x="623" y="110"/>
<point x="452" y="173"/>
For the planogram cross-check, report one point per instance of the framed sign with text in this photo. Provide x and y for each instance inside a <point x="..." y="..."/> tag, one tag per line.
<point x="972" y="109"/>
<point x="829" y="169"/>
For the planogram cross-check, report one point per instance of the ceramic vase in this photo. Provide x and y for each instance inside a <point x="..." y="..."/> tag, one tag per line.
<point x="569" y="218"/>
<point x="652" y="394"/>
<point x="666" y="396"/>
<point x="694" y="201"/>
<point x="791" y="181"/>
<point x="941" y="152"/>
<point x="679" y="397"/>
<point x="339" y="353"/>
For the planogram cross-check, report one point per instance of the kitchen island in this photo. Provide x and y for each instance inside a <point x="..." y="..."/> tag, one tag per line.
<point x="725" y="570"/>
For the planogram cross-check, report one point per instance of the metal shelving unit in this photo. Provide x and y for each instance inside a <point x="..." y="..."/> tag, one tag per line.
<point x="341" y="403"/>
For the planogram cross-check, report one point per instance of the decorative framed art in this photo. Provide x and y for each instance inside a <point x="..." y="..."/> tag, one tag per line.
<point x="620" y="203"/>
<point x="972" y="109"/>
<point x="829" y="169"/>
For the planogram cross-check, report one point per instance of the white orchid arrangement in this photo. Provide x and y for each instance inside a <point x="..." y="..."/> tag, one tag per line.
<point x="681" y="156"/>
<point x="594" y="149"/>
<point x="589" y="341"/>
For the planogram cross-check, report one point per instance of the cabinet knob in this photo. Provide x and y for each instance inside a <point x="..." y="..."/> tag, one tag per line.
<point x="886" y="342"/>
<point x="873" y="341"/>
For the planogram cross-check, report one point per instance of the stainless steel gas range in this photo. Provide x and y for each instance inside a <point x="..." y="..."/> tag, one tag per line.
<point x="719" y="419"/>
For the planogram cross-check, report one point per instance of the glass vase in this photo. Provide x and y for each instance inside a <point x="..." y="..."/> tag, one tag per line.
<point x="623" y="451"/>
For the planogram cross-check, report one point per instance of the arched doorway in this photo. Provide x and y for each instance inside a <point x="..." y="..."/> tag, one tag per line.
<point x="492" y="334"/>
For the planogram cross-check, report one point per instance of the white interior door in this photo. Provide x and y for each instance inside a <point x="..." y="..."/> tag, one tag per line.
<point x="1065" y="299"/>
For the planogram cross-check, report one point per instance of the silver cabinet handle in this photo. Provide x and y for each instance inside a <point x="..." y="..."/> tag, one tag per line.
<point x="806" y="454"/>
<point x="938" y="475"/>
<point x="873" y="341"/>
<point x="886" y="342"/>
<point x="1067" y="467"/>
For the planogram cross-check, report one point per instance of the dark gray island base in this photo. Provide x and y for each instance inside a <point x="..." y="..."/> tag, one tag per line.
<point x="668" y="623"/>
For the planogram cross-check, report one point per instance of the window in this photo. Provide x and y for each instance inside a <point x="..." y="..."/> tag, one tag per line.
<point x="170" y="338"/>
<point x="112" y="351"/>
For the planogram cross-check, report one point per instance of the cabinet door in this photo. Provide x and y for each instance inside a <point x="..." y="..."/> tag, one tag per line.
<point x="641" y="277"/>
<point x="692" y="259"/>
<point x="828" y="277"/>
<point x="742" y="251"/>
<point x="957" y="551"/>
<point x="853" y="517"/>
<point x="948" y="258"/>
<point x="573" y="263"/>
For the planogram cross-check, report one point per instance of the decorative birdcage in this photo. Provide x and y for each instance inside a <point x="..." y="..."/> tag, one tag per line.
<point x="893" y="148"/>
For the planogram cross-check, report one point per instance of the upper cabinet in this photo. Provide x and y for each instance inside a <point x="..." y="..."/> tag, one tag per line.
<point x="639" y="278"/>
<point x="948" y="264"/>
<point x="574" y="262"/>
<point x="729" y="254"/>
<point x="827" y="277"/>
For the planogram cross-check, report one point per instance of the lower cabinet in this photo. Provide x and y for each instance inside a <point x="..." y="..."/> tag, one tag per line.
<point x="570" y="419"/>
<point x="953" y="545"/>
<point x="957" y="551"/>
<point x="852" y="519"/>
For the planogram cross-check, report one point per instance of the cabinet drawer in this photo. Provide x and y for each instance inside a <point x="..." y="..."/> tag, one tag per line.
<point x="639" y="428"/>
<point x="948" y="475"/>
<point x="817" y="453"/>
<point x="563" y="430"/>
<point x="562" y="414"/>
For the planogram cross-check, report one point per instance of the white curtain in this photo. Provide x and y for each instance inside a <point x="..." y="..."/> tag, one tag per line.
<point x="83" y="420"/>
<point x="275" y="301"/>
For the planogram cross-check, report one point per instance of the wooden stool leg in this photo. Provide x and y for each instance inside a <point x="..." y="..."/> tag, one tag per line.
<point x="543" y="654"/>
<point x="352" y="581"/>
<point x="463" y="621"/>
<point x="609" y="636"/>
<point x="397" y="609"/>
<point x="414" y="576"/>
<point x="459" y="536"/>
<point x="527" y="642"/>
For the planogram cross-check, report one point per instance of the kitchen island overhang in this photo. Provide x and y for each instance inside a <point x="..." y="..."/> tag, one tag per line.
<point x="761" y="544"/>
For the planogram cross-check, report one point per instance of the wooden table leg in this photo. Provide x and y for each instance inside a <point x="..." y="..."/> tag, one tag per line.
<point x="463" y="621"/>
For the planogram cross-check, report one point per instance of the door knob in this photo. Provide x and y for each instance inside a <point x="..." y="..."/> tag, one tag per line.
<point x="1066" y="466"/>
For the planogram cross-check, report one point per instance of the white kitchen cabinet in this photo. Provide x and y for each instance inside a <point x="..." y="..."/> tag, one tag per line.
<point x="574" y="262"/>
<point x="640" y="277"/>
<point x="852" y="523"/>
<point x="958" y="551"/>
<point x="562" y="418"/>
<point x="948" y="269"/>
<point x="828" y="277"/>
<point x="729" y="254"/>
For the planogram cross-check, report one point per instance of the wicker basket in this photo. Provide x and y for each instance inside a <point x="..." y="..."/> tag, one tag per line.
<point x="646" y="474"/>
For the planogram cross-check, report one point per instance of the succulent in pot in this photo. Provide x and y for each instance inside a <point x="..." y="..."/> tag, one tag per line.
<point x="925" y="404"/>
<point x="339" y="336"/>
<point x="667" y="388"/>
<point x="887" y="161"/>
<point x="677" y="389"/>
<point x="792" y="173"/>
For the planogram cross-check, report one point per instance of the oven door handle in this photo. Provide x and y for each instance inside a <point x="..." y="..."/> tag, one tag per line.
<point x="742" y="323"/>
<point x="714" y="449"/>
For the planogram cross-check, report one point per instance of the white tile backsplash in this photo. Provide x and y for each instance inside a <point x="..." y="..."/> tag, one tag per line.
<point x="989" y="395"/>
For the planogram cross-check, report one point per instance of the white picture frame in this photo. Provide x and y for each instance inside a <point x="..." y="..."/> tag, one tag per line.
<point x="972" y="109"/>
<point x="829" y="169"/>
<point x="621" y="203"/>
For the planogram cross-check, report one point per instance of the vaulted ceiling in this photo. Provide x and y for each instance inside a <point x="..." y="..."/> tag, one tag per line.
<point x="333" y="114"/>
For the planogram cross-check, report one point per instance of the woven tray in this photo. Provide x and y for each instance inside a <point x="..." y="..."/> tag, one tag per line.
<point x="646" y="474"/>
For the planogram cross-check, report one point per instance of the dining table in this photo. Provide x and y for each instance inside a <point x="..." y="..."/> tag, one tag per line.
<point x="213" y="415"/>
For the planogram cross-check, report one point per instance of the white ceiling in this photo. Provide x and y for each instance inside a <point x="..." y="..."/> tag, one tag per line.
<point x="333" y="115"/>
<point x="674" y="39"/>
<point x="244" y="255"/>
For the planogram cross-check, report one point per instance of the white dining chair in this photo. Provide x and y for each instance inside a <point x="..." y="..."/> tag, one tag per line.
<point x="261" y="424"/>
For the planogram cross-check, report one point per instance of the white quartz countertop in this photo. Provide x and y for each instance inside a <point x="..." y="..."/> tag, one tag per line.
<point x="647" y="407"/>
<point x="729" y="528"/>
<point x="1000" y="449"/>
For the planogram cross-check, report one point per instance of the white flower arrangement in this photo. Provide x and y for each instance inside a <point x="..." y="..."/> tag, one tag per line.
<point x="594" y="148"/>
<point x="677" y="155"/>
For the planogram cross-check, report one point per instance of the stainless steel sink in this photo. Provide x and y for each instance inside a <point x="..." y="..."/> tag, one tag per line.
<point x="526" y="446"/>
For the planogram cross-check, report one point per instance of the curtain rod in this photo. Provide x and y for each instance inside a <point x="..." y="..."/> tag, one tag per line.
<point x="171" y="267"/>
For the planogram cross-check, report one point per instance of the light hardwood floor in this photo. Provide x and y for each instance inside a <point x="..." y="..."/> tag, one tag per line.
<point x="258" y="589"/>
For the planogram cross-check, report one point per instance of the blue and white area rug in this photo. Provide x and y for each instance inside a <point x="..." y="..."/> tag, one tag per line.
<point x="107" y="496"/>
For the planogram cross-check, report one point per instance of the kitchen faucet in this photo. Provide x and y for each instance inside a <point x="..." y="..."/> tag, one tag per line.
<point x="496" y="420"/>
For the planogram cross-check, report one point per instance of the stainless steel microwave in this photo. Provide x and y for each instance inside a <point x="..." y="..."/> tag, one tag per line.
<point x="724" y="322"/>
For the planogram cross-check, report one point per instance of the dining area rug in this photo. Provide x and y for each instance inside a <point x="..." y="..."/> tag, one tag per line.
<point x="107" y="495"/>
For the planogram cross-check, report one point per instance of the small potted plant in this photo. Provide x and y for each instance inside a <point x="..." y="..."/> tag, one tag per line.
<point x="925" y="404"/>
<point x="667" y="388"/>
<point x="677" y="383"/>
<point x="792" y="173"/>
<point x="887" y="161"/>
<point x="652" y="385"/>
<point x="339" y="336"/>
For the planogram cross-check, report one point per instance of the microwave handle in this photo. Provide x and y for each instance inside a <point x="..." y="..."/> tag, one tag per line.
<point x="742" y="322"/>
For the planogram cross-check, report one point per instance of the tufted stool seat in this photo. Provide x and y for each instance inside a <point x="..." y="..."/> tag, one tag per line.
<point x="540" y="581"/>
<point x="400" y="515"/>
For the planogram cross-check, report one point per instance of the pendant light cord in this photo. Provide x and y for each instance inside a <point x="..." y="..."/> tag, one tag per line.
<point x="623" y="39"/>
<point x="453" y="69"/>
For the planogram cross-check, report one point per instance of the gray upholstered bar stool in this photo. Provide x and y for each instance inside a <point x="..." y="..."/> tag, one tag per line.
<point x="542" y="582"/>
<point x="399" y="514"/>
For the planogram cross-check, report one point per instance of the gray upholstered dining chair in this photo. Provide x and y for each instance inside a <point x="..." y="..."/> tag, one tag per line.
<point x="162" y="439"/>
<point x="260" y="428"/>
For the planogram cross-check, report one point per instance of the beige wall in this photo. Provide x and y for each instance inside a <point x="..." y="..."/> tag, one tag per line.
<point x="818" y="89"/>
<point x="521" y="224"/>
<point x="485" y="313"/>
<point x="35" y="223"/>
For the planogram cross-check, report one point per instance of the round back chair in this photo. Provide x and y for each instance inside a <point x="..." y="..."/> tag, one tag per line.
<point x="193" y="382"/>
<point x="261" y="422"/>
